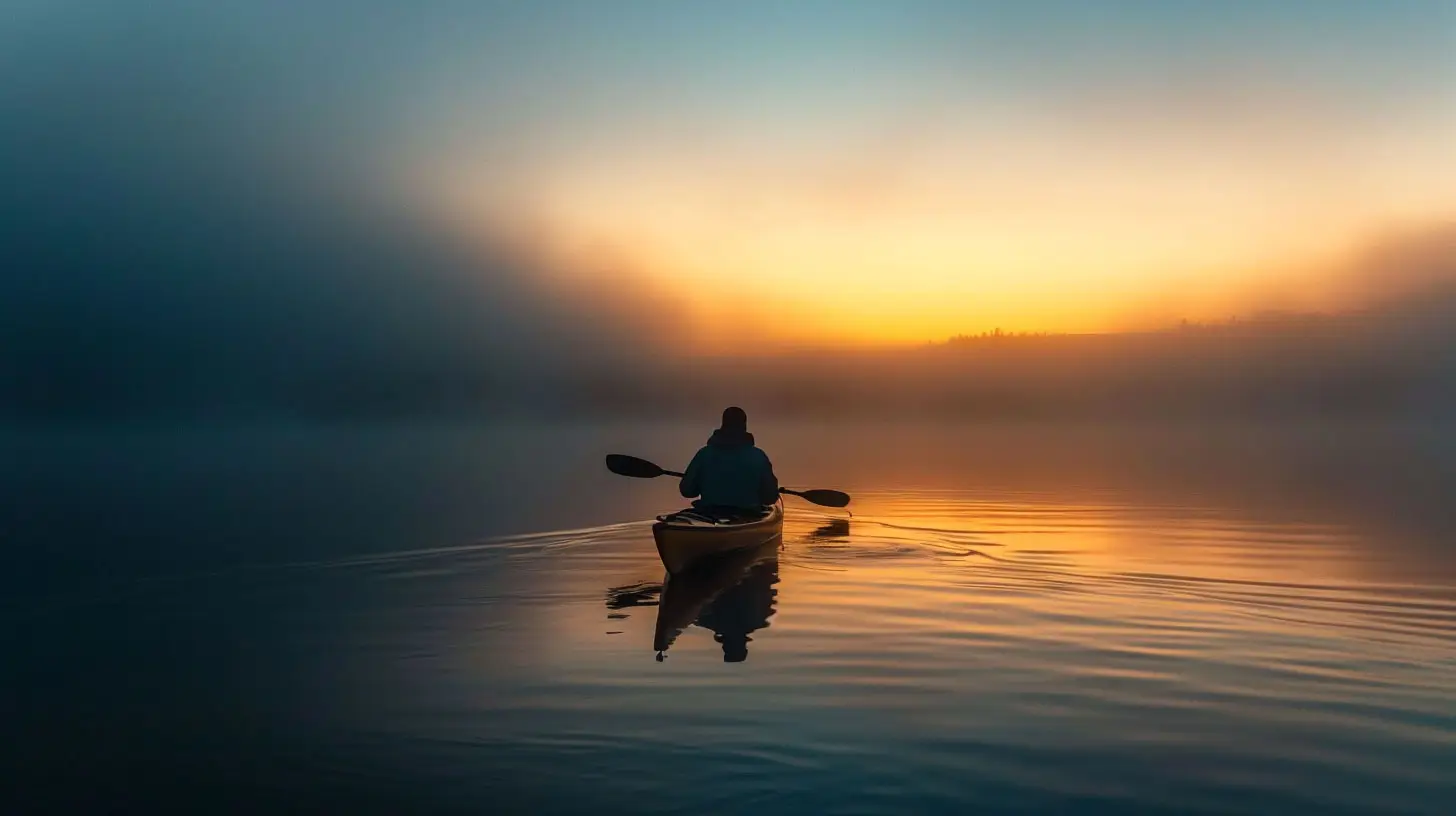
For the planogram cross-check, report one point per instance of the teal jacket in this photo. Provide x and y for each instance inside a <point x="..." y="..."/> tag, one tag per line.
<point x="730" y="472"/>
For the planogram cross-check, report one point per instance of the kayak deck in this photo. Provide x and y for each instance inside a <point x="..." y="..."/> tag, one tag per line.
<point x="688" y="535"/>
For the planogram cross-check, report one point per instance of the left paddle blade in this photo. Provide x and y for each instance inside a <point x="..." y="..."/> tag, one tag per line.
<point x="632" y="466"/>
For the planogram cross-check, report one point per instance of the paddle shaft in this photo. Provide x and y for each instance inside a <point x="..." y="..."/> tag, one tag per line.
<point x="783" y="490"/>
<point x="643" y="469"/>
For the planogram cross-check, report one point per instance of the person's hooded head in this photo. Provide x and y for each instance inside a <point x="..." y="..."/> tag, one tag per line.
<point x="735" y="420"/>
<point x="733" y="432"/>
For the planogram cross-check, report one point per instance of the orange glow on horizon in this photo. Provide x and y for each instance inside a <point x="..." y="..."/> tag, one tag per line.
<point x="921" y="239"/>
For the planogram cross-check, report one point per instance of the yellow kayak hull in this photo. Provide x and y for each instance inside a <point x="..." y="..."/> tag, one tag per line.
<point x="684" y="539"/>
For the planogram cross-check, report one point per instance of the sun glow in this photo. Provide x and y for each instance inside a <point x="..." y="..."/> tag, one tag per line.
<point x="797" y="266"/>
<point x="1096" y="195"/>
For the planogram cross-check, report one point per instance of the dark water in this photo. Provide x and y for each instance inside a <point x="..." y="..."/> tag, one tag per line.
<point x="466" y="620"/>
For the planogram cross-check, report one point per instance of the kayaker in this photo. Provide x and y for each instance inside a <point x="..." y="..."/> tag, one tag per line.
<point x="729" y="472"/>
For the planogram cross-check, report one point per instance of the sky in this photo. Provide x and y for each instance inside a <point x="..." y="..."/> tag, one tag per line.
<point x="203" y="199"/>
<point x="880" y="172"/>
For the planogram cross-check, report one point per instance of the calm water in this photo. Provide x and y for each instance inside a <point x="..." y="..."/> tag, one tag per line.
<point x="466" y="620"/>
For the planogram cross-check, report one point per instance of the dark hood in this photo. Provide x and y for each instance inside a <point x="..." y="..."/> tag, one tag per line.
<point x="730" y="439"/>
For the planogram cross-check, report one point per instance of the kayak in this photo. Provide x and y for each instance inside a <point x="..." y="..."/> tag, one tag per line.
<point x="687" y="536"/>
<point x="685" y="595"/>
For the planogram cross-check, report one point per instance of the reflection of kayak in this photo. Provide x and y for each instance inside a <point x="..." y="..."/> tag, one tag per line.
<point x="688" y="535"/>
<point x="686" y="594"/>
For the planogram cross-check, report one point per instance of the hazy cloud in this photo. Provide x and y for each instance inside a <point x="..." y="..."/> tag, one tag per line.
<point x="183" y="230"/>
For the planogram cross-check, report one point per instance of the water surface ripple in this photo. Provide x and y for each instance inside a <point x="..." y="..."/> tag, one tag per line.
<point x="936" y="650"/>
<point x="943" y="650"/>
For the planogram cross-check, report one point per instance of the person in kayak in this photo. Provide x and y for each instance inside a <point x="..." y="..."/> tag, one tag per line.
<point x="729" y="472"/>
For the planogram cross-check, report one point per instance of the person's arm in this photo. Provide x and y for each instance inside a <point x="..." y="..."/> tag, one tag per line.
<point x="768" y="483"/>
<point x="692" y="480"/>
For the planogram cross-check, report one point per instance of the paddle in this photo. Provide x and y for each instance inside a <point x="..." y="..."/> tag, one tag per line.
<point x="824" y="498"/>
<point x="636" y="468"/>
<point x="643" y="469"/>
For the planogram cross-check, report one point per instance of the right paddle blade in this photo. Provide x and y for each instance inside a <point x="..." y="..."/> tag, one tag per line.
<point x="623" y="465"/>
<point x="826" y="498"/>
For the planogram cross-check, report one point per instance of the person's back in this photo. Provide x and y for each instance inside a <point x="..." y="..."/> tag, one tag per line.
<point x="730" y="472"/>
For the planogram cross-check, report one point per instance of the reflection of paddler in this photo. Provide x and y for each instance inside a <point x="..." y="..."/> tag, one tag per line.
<point x="743" y="609"/>
<point x="733" y="596"/>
